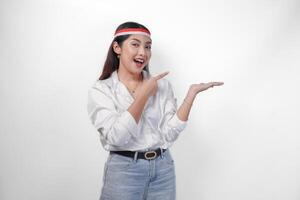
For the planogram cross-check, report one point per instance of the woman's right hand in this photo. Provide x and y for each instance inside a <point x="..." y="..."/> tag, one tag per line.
<point x="149" y="86"/>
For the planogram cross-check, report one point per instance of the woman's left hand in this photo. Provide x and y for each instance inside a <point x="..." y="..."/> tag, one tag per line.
<point x="196" y="88"/>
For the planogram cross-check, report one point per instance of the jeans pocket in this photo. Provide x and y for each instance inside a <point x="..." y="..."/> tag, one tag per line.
<point x="170" y="161"/>
<point x="119" y="162"/>
<point x="168" y="158"/>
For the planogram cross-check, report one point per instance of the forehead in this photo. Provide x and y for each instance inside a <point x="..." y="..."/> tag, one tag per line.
<point x="139" y="38"/>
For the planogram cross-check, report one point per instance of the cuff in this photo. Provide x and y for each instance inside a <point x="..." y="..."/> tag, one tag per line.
<point x="178" y="123"/>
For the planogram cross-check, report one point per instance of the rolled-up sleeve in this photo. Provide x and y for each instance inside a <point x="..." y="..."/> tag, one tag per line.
<point x="115" y="128"/>
<point x="170" y="125"/>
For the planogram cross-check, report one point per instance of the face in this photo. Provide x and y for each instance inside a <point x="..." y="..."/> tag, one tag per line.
<point x="135" y="53"/>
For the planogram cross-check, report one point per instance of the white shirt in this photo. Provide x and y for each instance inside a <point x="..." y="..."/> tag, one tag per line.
<point x="159" y="126"/>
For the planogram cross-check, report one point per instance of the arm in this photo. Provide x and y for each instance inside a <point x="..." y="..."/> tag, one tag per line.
<point x="184" y="110"/>
<point x="137" y="107"/>
<point x="115" y="128"/>
<point x="118" y="128"/>
<point x="174" y="121"/>
<point x="148" y="88"/>
<point x="170" y="124"/>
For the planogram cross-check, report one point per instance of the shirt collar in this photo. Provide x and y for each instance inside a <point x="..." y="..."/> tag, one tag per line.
<point x="116" y="80"/>
<point x="119" y="86"/>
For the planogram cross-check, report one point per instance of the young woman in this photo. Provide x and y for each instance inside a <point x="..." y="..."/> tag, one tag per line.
<point x="136" y="116"/>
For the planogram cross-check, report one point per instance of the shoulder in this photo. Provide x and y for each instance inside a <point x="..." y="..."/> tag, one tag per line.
<point x="104" y="86"/>
<point x="100" y="93"/>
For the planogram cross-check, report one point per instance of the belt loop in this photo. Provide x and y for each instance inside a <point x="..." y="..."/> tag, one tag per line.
<point x="161" y="153"/>
<point x="135" y="156"/>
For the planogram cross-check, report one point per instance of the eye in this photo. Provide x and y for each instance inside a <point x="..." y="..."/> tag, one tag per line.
<point x="148" y="47"/>
<point x="135" y="44"/>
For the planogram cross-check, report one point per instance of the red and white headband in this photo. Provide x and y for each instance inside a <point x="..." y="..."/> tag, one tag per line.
<point x="127" y="31"/>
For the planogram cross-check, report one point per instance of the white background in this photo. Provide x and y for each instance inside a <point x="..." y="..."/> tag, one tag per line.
<point x="242" y="139"/>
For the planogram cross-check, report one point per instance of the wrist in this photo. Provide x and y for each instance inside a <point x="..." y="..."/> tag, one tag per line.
<point x="191" y="96"/>
<point x="191" y="93"/>
<point x="142" y="96"/>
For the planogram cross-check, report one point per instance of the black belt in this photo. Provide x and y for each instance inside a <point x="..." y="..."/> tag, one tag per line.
<point x="148" y="155"/>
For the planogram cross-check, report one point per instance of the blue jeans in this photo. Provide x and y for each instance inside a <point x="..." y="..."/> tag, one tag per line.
<point x="127" y="178"/>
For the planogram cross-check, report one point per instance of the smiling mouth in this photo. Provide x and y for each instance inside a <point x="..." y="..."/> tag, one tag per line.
<point x="139" y="61"/>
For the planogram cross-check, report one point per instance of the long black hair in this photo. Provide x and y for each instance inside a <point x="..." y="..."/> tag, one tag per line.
<point x="112" y="62"/>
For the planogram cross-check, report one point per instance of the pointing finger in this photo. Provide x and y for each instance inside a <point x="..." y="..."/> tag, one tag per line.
<point x="215" y="84"/>
<point x="159" y="76"/>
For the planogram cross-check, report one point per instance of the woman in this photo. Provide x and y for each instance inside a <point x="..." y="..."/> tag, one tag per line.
<point x="137" y="118"/>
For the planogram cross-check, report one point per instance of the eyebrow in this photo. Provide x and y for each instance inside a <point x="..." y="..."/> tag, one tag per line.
<point x="149" y="42"/>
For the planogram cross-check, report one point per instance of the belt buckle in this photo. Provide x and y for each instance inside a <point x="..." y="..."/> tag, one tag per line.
<point x="150" y="155"/>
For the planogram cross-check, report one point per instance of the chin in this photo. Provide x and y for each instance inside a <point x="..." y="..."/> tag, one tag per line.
<point x="138" y="70"/>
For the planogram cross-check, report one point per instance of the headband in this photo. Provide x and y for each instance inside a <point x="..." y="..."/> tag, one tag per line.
<point x="127" y="31"/>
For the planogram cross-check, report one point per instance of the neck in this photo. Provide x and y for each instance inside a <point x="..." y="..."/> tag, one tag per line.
<point x="127" y="77"/>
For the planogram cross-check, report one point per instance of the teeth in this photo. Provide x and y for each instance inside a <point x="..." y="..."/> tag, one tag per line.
<point x="140" y="60"/>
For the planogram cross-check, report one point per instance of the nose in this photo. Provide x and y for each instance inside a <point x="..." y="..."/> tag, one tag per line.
<point x="142" y="51"/>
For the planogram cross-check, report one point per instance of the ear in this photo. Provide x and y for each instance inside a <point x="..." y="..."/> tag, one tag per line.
<point x="116" y="48"/>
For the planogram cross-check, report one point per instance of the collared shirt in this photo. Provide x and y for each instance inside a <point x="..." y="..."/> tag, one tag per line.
<point x="158" y="127"/>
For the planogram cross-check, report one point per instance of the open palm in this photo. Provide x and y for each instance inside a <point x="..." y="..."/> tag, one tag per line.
<point x="196" y="88"/>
